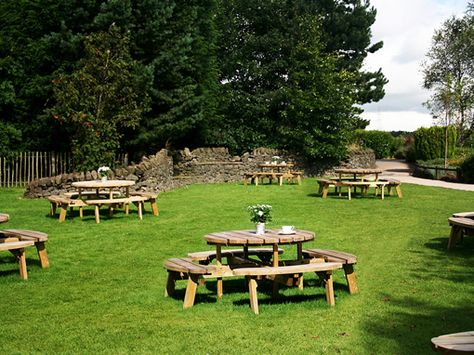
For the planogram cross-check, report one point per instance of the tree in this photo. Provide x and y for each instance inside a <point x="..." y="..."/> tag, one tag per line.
<point x="99" y="99"/>
<point x="278" y="86"/>
<point x="346" y="33"/>
<point x="448" y="71"/>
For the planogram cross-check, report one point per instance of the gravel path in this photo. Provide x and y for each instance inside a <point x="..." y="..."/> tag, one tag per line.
<point x="400" y="170"/>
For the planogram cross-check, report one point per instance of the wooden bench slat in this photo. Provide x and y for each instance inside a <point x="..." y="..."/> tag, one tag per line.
<point x="332" y="255"/>
<point x="15" y="245"/>
<point x="187" y="266"/>
<point x="286" y="270"/>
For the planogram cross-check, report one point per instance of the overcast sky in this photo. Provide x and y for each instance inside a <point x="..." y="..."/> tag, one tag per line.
<point x="406" y="27"/>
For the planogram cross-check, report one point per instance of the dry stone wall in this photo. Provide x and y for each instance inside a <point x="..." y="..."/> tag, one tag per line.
<point x="167" y="170"/>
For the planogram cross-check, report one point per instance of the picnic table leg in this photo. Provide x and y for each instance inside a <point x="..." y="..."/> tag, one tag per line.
<point x="455" y="234"/>
<point x="171" y="283"/>
<point x="325" y="190"/>
<point x="191" y="291"/>
<point x="253" y="294"/>
<point x="220" y="291"/>
<point x="351" y="278"/>
<point x="21" y="258"/>
<point x="42" y="255"/>
<point x="299" y="248"/>
<point x="96" y="213"/>
<point x="328" y="284"/>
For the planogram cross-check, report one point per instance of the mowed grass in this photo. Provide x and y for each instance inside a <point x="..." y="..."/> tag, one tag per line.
<point x="103" y="292"/>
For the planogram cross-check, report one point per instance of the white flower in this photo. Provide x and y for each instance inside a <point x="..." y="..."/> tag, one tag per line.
<point x="103" y="170"/>
<point x="260" y="213"/>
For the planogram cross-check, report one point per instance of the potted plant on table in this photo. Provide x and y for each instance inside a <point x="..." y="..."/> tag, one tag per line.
<point x="260" y="214"/>
<point x="103" y="172"/>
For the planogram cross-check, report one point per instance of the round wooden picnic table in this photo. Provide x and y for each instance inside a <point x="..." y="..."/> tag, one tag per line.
<point x="248" y="238"/>
<point x="4" y="217"/>
<point x="107" y="184"/>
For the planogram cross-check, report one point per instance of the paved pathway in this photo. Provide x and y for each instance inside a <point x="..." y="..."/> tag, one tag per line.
<point x="400" y="170"/>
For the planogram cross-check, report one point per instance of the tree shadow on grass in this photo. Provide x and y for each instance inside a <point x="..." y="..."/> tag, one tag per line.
<point x="412" y="323"/>
<point x="426" y="304"/>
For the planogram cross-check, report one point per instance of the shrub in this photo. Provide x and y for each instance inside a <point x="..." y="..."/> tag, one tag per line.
<point x="382" y="143"/>
<point x="467" y="170"/>
<point x="429" y="142"/>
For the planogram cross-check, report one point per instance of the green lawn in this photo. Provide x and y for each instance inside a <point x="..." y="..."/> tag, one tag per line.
<point x="103" y="292"/>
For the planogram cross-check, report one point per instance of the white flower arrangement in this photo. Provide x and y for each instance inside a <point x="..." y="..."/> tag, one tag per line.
<point x="260" y="213"/>
<point x="275" y="159"/>
<point x="103" y="171"/>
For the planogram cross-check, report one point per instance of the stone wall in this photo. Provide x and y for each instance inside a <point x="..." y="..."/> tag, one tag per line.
<point x="167" y="170"/>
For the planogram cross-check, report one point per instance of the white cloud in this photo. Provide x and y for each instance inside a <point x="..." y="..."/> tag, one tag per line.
<point x="406" y="27"/>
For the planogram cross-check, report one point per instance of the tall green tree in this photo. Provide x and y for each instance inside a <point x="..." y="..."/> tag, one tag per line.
<point x="278" y="86"/>
<point x="99" y="99"/>
<point x="346" y="32"/>
<point x="448" y="72"/>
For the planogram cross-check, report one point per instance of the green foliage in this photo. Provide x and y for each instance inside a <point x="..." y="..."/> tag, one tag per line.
<point x="99" y="99"/>
<point x="382" y="143"/>
<point x="346" y="32"/>
<point x="467" y="170"/>
<point x="279" y="88"/>
<point x="449" y="74"/>
<point x="237" y="73"/>
<point x="429" y="142"/>
<point x="10" y="140"/>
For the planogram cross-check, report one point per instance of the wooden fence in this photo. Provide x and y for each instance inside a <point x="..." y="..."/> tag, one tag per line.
<point x="29" y="166"/>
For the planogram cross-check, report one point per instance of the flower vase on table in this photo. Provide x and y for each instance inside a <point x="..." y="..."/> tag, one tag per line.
<point x="260" y="228"/>
<point x="260" y="214"/>
<point x="103" y="172"/>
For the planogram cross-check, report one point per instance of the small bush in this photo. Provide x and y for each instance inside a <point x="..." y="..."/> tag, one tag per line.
<point x="467" y="170"/>
<point x="429" y="142"/>
<point x="382" y="143"/>
<point x="423" y="173"/>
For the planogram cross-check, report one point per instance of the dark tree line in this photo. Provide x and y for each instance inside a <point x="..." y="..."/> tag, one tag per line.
<point x="238" y="73"/>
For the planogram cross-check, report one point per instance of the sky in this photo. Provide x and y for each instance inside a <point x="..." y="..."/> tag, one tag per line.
<point x="406" y="27"/>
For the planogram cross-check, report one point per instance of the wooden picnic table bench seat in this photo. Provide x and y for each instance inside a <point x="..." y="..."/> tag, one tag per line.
<point x="464" y="215"/>
<point x="460" y="226"/>
<point x="150" y="197"/>
<point x="4" y="217"/>
<point x="206" y="257"/>
<point x="38" y="238"/>
<point x="393" y="183"/>
<point x="117" y="202"/>
<point x="254" y="273"/>
<point x="347" y="260"/>
<point x="456" y="343"/>
<point x="186" y="268"/>
<point x="64" y="203"/>
<point x="17" y="248"/>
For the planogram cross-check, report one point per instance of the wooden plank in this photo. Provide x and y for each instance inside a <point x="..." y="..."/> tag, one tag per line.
<point x="186" y="265"/>
<point x="15" y="245"/>
<point x="25" y="233"/>
<point x="292" y="269"/>
<point x="332" y="255"/>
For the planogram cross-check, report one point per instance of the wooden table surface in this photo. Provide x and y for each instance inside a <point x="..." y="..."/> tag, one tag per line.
<point x="99" y="184"/>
